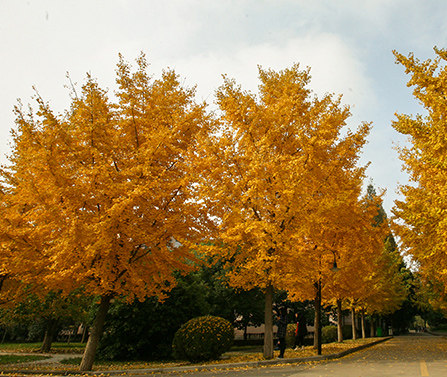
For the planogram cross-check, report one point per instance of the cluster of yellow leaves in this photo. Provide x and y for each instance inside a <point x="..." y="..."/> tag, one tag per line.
<point x="101" y="196"/>
<point x="283" y="183"/>
<point x="113" y="196"/>
<point x="422" y="215"/>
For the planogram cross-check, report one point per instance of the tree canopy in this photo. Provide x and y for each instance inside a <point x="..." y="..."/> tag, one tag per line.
<point x="421" y="220"/>
<point x="281" y="179"/>
<point x="101" y="196"/>
<point x="123" y="192"/>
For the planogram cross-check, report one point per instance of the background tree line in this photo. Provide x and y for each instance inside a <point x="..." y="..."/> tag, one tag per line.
<point x="144" y="330"/>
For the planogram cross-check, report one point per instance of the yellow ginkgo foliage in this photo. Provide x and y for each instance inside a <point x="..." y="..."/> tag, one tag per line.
<point x="421" y="217"/>
<point x="277" y="170"/>
<point x="101" y="196"/>
<point x="339" y="233"/>
<point x="367" y="277"/>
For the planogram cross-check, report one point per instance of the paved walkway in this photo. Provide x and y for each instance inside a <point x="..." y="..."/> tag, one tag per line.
<point x="419" y="355"/>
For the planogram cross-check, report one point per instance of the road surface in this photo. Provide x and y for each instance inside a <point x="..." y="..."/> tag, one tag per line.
<point x="419" y="355"/>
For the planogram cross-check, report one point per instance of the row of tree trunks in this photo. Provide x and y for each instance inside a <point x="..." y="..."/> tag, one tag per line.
<point x="372" y="331"/>
<point x="354" y="327"/>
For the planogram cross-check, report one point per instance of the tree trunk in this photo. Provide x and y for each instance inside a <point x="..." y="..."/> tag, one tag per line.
<point x="268" y="315"/>
<point x="84" y="332"/>
<point x="245" y="332"/>
<point x="362" y="318"/>
<point x="354" y="327"/>
<point x="372" y="332"/>
<point x="317" y="322"/>
<point x="339" y="322"/>
<point x="50" y="331"/>
<point x="95" y="335"/>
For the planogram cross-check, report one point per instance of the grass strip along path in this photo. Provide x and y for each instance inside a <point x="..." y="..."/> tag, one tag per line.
<point x="14" y="359"/>
<point x="235" y="358"/>
<point x="35" y="347"/>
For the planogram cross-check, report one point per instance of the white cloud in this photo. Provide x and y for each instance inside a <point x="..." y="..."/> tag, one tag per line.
<point x="334" y="67"/>
<point x="347" y="44"/>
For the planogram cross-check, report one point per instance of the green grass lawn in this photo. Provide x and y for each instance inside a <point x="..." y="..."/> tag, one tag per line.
<point x="13" y="359"/>
<point x="35" y="347"/>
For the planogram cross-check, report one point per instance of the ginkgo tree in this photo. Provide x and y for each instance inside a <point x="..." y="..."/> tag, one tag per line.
<point x="384" y="288"/>
<point x="102" y="195"/>
<point x="367" y="278"/>
<point x="341" y="244"/>
<point x="421" y="217"/>
<point x="270" y="175"/>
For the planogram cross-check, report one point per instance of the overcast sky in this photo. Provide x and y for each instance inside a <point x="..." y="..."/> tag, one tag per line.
<point x="347" y="43"/>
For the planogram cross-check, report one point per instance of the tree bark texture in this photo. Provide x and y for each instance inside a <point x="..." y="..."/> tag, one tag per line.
<point x="50" y="331"/>
<point x="339" y="322"/>
<point x="354" y="327"/>
<point x="84" y="332"/>
<point x="95" y="335"/>
<point x="268" y="316"/>
<point x="362" y="317"/>
<point x="317" y="322"/>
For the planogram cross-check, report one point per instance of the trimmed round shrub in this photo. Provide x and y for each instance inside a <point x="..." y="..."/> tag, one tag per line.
<point x="203" y="338"/>
<point x="329" y="334"/>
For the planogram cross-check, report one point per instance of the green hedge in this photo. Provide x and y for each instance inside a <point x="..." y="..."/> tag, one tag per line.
<point x="329" y="334"/>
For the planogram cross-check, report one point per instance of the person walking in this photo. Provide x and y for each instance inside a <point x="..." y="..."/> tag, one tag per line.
<point x="300" y="331"/>
<point x="282" y="330"/>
